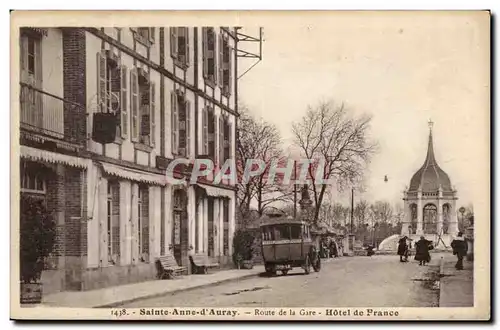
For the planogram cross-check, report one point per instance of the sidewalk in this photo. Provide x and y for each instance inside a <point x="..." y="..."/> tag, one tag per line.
<point x="118" y="295"/>
<point x="456" y="286"/>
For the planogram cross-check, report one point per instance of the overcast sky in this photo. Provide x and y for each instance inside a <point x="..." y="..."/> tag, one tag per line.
<point x="403" y="69"/>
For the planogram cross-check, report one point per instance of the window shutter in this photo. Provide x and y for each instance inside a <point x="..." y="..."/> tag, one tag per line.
<point x="188" y="128"/>
<point x="152" y="112"/>
<point x="152" y="33"/>
<point x="134" y="104"/>
<point x="101" y="82"/>
<point x="173" y="42"/>
<point x="205" y="52"/>
<point x="221" y="141"/>
<point x="175" y="122"/>
<point x="205" y="131"/>
<point x="229" y="142"/>
<point x="22" y="50"/>
<point x="230" y="70"/>
<point x="221" y="60"/>
<point x="123" y="101"/>
<point x="186" y="37"/>
<point x="38" y="66"/>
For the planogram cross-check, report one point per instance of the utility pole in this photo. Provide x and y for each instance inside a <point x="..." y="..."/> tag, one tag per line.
<point x="294" y="189"/>
<point x="352" y="209"/>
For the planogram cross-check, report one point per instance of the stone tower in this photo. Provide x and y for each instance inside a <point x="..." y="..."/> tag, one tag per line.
<point x="430" y="201"/>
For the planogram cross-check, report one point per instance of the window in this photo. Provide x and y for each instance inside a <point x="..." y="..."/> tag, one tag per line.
<point x="143" y="109"/>
<point x="225" y="64"/>
<point x="112" y="89"/>
<point x="179" y="46"/>
<point x="209" y="57"/>
<point x="32" y="182"/>
<point x="145" y="35"/>
<point x="281" y="232"/>
<point x="113" y="223"/>
<point x="209" y="132"/>
<point x="268" y="233"/>
<point x="143" y="223"/>
<point x="181" y="124"/>
<point x="295" y="231"/>
<point x="31" y="61"/>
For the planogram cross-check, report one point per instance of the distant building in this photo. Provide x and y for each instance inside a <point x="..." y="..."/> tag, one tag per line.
<point x="430" y="201"/>
<point x="174" y="92"/>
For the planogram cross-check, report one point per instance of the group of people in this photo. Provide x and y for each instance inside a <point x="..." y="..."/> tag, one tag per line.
<point x="423" y="246"/>
<point x="329" y="248"/>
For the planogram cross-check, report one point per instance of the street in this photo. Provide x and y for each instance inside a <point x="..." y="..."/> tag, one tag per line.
<point x="378" y="281"/>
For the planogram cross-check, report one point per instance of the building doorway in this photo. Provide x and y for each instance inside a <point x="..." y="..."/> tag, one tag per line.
<point x="180" y="227"/>
<point x="430" y="219"/>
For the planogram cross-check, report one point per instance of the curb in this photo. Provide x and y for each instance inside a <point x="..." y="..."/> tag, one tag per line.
<point x="166" y="293"/>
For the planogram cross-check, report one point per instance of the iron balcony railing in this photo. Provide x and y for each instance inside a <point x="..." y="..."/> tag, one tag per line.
<point x="43" y="113"/>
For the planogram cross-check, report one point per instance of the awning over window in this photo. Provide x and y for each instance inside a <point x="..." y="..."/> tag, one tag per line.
<point x="34" y="154"/>
<point x="134" y="175"/>
<point x="216" y="191"/>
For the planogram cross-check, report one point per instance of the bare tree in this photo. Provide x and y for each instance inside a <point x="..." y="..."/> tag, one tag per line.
<point x="340" y="140"/>
<point x="382" y="211"/>
<point x="258" y="139"/>
<point x="361" y="212"/>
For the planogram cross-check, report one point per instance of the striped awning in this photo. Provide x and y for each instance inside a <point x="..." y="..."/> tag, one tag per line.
<point x="34" y="154"/>
<point x="133" y="174"/>
<point x="216" y="191"/>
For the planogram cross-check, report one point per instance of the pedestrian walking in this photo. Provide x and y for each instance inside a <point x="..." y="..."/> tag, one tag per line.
<point x="422" y="248"/>
<point x="403" y="250"/>
<point x="459" y="246"/>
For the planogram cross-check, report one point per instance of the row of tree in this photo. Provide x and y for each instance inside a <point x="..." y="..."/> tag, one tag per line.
<point x="331" y="135"/>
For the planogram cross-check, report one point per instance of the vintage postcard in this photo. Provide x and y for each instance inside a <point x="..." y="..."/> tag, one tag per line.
<point x="244" y="165"/>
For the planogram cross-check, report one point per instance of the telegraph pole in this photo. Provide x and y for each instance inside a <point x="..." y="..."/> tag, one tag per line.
<point x="352" y="209"/>
<point x="294" y="189"/>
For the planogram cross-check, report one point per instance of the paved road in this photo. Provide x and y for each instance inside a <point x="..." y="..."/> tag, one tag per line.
<point x="379" y="281"/>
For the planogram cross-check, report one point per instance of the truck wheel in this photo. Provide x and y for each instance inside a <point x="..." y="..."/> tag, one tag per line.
<point x="284" y="272"/>
<point x="307" y="265"/>
<point x="270" y="270"/>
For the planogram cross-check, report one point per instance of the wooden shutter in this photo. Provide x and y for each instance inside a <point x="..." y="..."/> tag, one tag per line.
<point x="229" y="142"/>
<point x="123" y="101"/>
<point x="230" y="70"/>
<point x="221" y="60"/>
<point x="23" y="50"/>
<point x="186" y="37"/>
<point x="101" y="82"/>
<point x="152" y="112"/>
<point x="152" y="34"/>
<point x="134" y="104"/>
<point x="188" y="127"/>
<point x="173" y="42"/>
<point x="205" y="131"/>
<point x="221" y="141"/>
<point x="205" y="51"/>
<point x="175" y="122"/>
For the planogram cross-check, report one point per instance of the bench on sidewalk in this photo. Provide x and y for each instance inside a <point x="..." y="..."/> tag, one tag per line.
<point x="201" y="263"/>
<point x="167" y="267"/>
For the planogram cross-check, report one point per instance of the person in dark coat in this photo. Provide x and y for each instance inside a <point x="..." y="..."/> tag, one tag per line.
<point x="459" y="246"/>
<point x="403" y="249"/>
<point x="333" y="249"/>
<point x="422" y="248"/>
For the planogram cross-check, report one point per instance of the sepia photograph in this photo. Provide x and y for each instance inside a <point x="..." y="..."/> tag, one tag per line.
<point x="329" y="165"/>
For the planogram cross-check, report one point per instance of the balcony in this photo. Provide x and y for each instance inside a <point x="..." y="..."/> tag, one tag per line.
<point x="42" y="117"/>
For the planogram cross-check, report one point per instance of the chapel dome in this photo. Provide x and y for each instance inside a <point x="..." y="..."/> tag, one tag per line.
<point x="430" y="176"/>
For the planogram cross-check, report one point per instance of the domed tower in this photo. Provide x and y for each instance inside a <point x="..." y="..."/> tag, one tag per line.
<point x="430" y="201"/>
